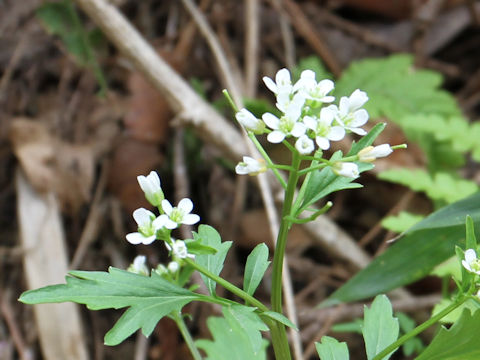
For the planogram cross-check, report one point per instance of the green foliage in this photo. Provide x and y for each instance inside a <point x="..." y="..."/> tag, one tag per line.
<point x="380" y="328"/>
<point x="458" y="342"/>
<point x="396" y="89"/>
<point x="214" y="263"/>
<point x="331" y="349"/>
<point x="401" y="222"/>
<point x="280" y="318"/>
<point x="414" y="344"/>
<point x="442" y="187"/>
<point x="230" y="342"/>
<point x="424" y="246"/>
<point x="453" y="316"/>
<point x="148" y="298"/>
<point x="61" y="19"/>
<point x="257" y="264"/>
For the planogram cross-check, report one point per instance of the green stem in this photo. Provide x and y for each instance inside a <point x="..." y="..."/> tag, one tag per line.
<point x="227" y="285"/>
<point x="186" y="335"/>
<point x="420" y="328"/>
<point x="269" y="161"/>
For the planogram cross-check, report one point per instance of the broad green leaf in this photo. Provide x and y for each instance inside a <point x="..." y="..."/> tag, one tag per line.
<point x="208" y="236"/>
<point x="401" y="222"/>
<point x="324" y="182"/>
<point x="458" y="342"/>
<point x="229" y="342"/>
<point x="280" y="318"/>
<point x="424" y="246"/>
<point x="331" y="349"/>
<point x="448" y="268"/>
<point x="257" y="264"/>
<point x="471" y="241"/>
<point x="148" y="298"/>
<point x="243" y="319"/>
<point x="380" y="328"/>
<point x="453" y="316"/>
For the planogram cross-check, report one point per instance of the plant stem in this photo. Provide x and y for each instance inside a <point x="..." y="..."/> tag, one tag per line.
<point x="227" y="285"/>
<point x="280" y="342"/>
<point x="186" y="335"/>
<point x="269" y="161"/>
<point x="420" y="328"/>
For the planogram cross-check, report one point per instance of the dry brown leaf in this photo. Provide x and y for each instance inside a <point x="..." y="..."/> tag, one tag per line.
<point x="53" y="165"/>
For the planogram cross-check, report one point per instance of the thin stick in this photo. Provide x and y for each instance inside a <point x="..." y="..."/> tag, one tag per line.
<point x="251" y="47"/>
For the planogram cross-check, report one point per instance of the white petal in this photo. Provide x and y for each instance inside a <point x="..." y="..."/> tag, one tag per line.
<point x="310" y="122"/>
<point x="381" y="150"/>
<point x="294" y="109"/>
<point x="242" y="169"/>
<point x="149" y="240"/>
<point x="167" y="207"/>
<point x="360" y="117"/>
<point x="159" y="222"/>
<point x="304" y="145"/>
<point x="470" y="256"/>
<point x="190" y="219"/>
<point x="282" y="77"/>
<point x="185" y="205"/>
<point x="271" y="120"/>
<point x="298" y="129"/>
<point x="327" y="115"/>
<point x="276" y="137"/>
<point x="357" y="99"/>
<point x="154" y="179"/>
<point x="328" y="99"/>
<point x="343" y="106"/>
<point x="270" y="84"/>
<point x="326" y="86"/>
<point x="143" y="216"/>
<point x="322" y="143"/>
<point x="466" y="265"/>
<point x="358" y="131"/>
<point x="144" y="184"/>
<point x="170" y="224"/>
<point x="336" y="133"/>
<point x="135" y="238"/>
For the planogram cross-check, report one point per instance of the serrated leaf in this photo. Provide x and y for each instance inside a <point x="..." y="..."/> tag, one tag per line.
<point x="458" y="342"/>
<point x="331" y="349"/>
<point x="280" y="318"/>
<point x="380" y="328"/>
<point x="396" y="89"/>
<point x="440" y="186"/>
<point x="229" y="342"/>
<point x="243" y="319"/>
<point x="148" y="298"/>
<point x="324" y="182"/>
<point x="255" y="267"/>
<point x="208" y="236"/>
<point x="424" y="246"/>
<point x="401" y="222"/>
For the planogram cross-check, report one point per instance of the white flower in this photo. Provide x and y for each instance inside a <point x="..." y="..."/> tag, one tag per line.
<point x="371" y="153"/>
<point x="173" y="266"/>
<point x="150" y="185"/>
<point x="346" y="169"/>
<point x="471" y="263"/>
<point x="250" y="122"/>
<point x="291" y="105"/>
<point x="179" y="249"/>
<point x="148" y="226"/>
<point x="323" y="129"/>
<point x="282" y="84"/>
<point x="288" y="124"/>
<point x="304" y="145"/>
<point x="250" y="166"/>
<point x="139" y="266"/>
<point x="175" y="216"/>
<point x="313" y="91"/>
<point x="349" y="114"/>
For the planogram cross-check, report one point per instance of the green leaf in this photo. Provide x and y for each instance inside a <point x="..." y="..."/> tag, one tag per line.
<point x="424" y="246"/>
<point x="380" y="328"/>
<point x="331" y="349"/>
<point x="257" y="264"/>
<point x="324" y="182"/>
<point x="229" y="342"/>
<point x="440" y="186"/>
<point x="208" y="236"/>
<point x="448" y="268"/>
<point x="396" y="89"/>
<point x="367" y="140"/>
<point x="196" y="247"/>
<point x="148" y="298"/>
<point x="453" y="316"/>
<point x="280" y="318"/>
<point x="414" y="344"/>
<point x="243" y="319"/>
<point x="471" y="241"/>
<point x="401" y="222"/>
<point x="458" y="342"/>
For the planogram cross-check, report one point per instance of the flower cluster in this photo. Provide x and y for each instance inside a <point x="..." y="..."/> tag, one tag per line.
<point x="152" y="227"/>
<point x="308" y="115"/>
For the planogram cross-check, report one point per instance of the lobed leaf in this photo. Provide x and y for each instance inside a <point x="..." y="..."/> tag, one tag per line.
<point x="148" y="298"/>
<point x="331" y="349"/>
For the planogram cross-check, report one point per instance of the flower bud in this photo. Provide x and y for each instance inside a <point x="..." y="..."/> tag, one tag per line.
<point x="371" y="153"/>
<point x="250" y="122"/>
<point x="250" y="166"/>
<point x="346" y="169"/>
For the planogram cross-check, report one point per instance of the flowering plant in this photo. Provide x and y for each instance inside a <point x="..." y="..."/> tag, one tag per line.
<point x="309" y="124"/>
